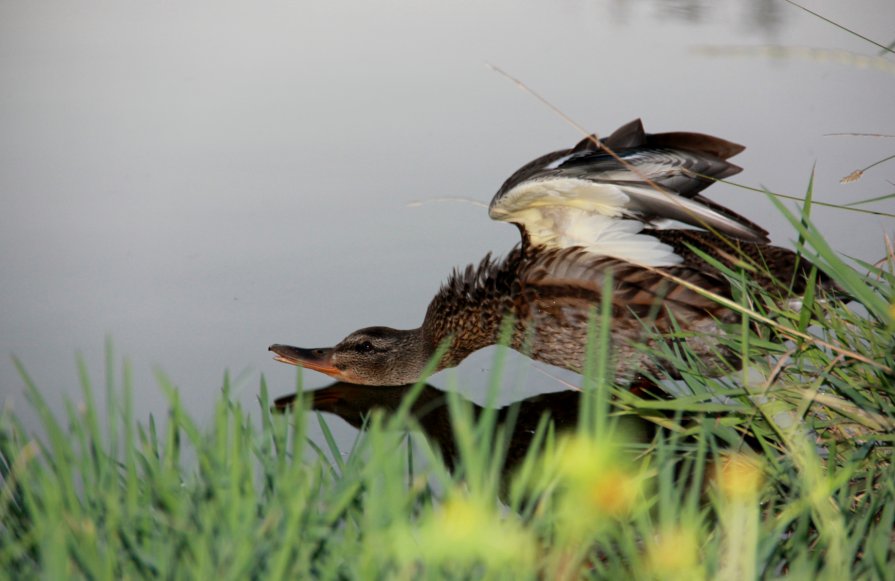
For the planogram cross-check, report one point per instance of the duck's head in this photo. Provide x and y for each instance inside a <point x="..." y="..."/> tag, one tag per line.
<point x="371" y="356"/>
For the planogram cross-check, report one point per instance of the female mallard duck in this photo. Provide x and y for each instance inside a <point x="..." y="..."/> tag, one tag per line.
<point x="630" y="205"/>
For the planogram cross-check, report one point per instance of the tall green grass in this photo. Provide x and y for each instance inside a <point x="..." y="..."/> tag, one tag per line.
<point x="781" y="469"/>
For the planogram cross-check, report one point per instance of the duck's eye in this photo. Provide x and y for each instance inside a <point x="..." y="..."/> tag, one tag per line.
<point x="364" y="347"/>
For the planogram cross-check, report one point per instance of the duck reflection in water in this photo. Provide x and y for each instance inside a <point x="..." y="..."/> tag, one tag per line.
<point x="430" y="410"/>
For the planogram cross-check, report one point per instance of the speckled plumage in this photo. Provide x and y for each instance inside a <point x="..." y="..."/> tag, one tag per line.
<point x="549" y="295"/>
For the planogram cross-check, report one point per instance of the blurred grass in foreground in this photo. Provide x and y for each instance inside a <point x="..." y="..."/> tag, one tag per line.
<point x="811" y="495"/>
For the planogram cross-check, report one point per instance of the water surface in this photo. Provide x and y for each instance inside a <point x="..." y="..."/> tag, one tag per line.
<point x="201" y="179"/>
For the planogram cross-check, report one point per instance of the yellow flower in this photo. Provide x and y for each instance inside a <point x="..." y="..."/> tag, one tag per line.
<point x="613" y="492"/>
<point x="674" y="554"/>
<point x="594" y="485"/>
<point x="581" y="459"/>
<point x="465" y="532"/>
<point x="740" y="476"/>
<point x="460" y="519"/>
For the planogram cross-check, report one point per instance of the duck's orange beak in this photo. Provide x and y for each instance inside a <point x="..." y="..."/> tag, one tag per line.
<point x="319" y="359"/>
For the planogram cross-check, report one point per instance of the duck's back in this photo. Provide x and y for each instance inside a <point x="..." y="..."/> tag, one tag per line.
<point x="561" y="290"/>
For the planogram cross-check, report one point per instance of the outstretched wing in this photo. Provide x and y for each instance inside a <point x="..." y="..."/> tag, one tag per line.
<point x="608" y="202"/>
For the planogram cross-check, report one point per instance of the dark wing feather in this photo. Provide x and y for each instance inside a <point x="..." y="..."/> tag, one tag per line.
<point x="663" y="175"/>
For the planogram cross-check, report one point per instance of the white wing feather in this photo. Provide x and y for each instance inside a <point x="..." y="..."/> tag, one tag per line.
<point x="565" y="212"/>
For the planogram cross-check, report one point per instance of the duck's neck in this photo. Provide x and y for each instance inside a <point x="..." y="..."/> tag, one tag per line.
<point x="470" y="308"/>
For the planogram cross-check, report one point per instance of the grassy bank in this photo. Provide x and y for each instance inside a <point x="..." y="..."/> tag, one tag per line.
<point x="783" y="468"/>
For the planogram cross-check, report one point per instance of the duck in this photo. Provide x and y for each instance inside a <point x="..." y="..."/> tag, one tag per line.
<point x="625" y="213"/>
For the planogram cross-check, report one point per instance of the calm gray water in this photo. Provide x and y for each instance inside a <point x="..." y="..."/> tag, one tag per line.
<point x="200" y="179"/>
